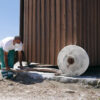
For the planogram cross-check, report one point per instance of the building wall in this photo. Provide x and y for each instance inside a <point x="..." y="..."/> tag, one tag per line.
<point x="49" y="25"/>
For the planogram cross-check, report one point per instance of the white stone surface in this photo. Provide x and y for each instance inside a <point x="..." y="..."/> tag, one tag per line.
<point x="81" y="60"/>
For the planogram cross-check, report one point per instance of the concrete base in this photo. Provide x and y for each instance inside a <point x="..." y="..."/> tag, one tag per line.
<point x="33" y="76"/>
<point x="38" y="76"/>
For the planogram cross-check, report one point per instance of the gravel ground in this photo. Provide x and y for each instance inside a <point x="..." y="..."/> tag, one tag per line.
<point x="47" y="90"/>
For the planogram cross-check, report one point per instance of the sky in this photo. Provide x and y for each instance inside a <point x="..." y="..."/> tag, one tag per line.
<point x="9" y="18"/>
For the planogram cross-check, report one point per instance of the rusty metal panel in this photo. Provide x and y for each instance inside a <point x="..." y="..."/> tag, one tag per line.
<point x="47" y="30"/>
<point x="30" y="29"/>
<point x="98" y="35"/>
<point x="25" y="38"/>
<point x="49" y="25"/>
<point x="34" y="57"/>
<point x="52" y="32"/>
<point x="58" y="29"/>
<point x="69" y="22"/>
<point x="38" y="31"/>
<point x="63" y="23"/>
<point x="43" y="31"/>
<point x="21" y="31"/>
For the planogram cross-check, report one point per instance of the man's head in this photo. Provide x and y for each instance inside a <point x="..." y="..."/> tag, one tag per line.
<point x="17" y="40"/>
<point x="17" y="43"/>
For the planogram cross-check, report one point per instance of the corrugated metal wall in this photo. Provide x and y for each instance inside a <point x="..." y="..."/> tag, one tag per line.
<point x="49" y="25"/>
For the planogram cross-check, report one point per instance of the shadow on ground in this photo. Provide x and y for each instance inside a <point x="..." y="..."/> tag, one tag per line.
<point x="93" y="71"/>
<point x="24" y="78"/>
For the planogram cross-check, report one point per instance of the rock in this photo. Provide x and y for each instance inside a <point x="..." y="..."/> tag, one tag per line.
<point x="73" y="60"/>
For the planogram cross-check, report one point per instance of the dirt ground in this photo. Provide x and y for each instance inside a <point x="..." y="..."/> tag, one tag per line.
<point x="47" y="90"/>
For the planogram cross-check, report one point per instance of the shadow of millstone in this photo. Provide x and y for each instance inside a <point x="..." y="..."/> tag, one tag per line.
<point x="92" y="71"/>
<point x="25" y="78"/>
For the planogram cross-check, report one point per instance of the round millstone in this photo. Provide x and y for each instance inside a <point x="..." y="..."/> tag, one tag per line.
<point x="73" y="60"/>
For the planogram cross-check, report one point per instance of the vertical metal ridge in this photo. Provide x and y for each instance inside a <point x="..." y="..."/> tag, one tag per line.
<point x="38" y="31"/>
<point x="74" y="21"/>
<point x="52" y="34"/>
<point x="34" y="32"/>
<point x="91" y="30"/>
<point x="69" y="22"/>
<point x="24" y="29"/>
<point x="42" y="32"/>
<point x="57" y="46"/>
<point x="47" y="30"/>
<point x="98" y="32"/>
<point x="30" y="30"/>
<point x="21" y="26"/>
<point x="26" y="40"/>
<point x="63" y="23"/>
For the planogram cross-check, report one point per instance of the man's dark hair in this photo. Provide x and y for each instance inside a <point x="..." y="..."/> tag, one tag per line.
<point x="17" y="38"/>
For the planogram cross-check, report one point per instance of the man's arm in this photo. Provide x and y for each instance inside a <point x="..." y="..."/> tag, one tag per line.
<point x="6" y="60"/>
<point x="20" y="57"/>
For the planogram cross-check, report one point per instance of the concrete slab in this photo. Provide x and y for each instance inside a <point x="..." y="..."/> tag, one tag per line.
<point x="88" y="80"/>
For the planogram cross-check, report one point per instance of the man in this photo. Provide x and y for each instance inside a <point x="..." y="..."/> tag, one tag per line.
<point x="8" y="46"/>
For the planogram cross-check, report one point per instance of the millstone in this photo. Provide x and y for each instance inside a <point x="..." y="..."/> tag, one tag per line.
<point x="73" y="60"/>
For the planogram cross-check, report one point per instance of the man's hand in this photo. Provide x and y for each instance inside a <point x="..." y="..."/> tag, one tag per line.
<point x="21" y="67"/>
<point x="7" y="68"/>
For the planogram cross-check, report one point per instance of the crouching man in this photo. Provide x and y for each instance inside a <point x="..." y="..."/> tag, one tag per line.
<point x="8" y="46"/>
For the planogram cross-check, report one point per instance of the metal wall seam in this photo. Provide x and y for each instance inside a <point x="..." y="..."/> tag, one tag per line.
<point x="52" y="32"/>
<point x="58" y="30"/>
<point x="30" y="30"/>
<point x="47" y="29"/>
<point x="34" y="32"/>
<point x="42" y="33"/>
<point x="98" y="33"/>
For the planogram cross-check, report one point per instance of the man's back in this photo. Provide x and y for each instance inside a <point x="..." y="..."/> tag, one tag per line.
<point x="7" y="44"/>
